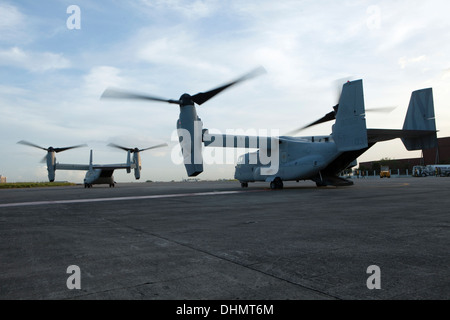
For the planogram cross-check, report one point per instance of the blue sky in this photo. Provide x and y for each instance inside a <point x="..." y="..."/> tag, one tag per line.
<point x="51" y="77"/>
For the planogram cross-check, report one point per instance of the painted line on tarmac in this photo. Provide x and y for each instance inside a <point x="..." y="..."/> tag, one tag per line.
<point x="159" y="196"/>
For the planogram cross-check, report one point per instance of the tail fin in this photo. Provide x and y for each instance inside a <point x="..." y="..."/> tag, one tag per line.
<point x="420" y="117"/>
<point x="349" y="130"/>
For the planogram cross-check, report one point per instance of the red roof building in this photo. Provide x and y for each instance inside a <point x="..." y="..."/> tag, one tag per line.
<point x="439" y="155"/>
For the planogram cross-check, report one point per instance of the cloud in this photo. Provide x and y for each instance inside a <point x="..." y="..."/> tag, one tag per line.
<point x="404" y="62"/>
<point x="178" y="48"/>
<point x="101" y="77"/>
<point x="11" y="16"/>
<point x="445" y="74"/>
<point x="189" y="9"/>
<point x="33" y="61"/>
<point x="12" y="22"/>
<point x="11" y="90"/>
<point x="171" y="47"/>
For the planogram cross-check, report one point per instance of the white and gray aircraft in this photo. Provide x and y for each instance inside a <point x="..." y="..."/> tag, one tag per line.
<point x="95" y="173"/>
<point x="317" y="158"/>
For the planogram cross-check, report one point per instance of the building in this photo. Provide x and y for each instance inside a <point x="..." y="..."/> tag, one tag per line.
<point x="2" y="179"/>
<point x="439" y="155"/>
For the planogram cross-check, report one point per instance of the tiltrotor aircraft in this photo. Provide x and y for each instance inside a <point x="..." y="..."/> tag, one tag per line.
<point x="96" y="173"/>
<point x="288" y="158"/>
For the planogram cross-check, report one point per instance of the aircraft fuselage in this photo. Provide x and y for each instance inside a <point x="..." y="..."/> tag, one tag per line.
<point x="99" y="176"/>
<point x="298" y="159"/>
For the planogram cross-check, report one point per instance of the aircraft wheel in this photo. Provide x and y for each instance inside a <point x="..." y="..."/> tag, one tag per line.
<point x="276" y="184"/>
<point x="244" y="184"/>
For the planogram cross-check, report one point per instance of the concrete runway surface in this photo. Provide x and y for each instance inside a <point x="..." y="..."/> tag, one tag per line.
<point x="216" y="241"/>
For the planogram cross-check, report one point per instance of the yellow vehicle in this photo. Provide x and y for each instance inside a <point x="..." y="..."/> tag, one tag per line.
<point x="384" y="172"/>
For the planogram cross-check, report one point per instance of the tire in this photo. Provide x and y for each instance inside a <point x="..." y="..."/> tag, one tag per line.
<point x="278" y="183"/>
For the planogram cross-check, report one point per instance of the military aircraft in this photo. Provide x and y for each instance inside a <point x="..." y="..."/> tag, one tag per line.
<point x="96" y="173"/>
<point x="290" y="158"/>
<point x="136" y="156"/>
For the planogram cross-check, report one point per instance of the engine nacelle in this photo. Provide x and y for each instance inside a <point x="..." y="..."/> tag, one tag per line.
<point x="128" y="161"/>
<point x="51" y="167"/>
<point x="189" y="129"/>
<point x="137" y="163"/>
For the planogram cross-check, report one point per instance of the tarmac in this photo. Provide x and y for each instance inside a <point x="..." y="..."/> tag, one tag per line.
<point x="218" y="241"/>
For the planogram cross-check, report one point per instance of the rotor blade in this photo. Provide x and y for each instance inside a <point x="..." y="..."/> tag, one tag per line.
<point x="68" y="148"/>
<point x="44" y="159"/>
<point x="382" y="109"/>
<point x="379" y="110"/>
<point x="119" y="147"/>
<point x="111" y="93"/>
<point x="157" y="146"/>
<point x="202" y="97"/>
<point x="328" y="117"/>
<point x="31" y="144"/>
<point x="332" y="116"/>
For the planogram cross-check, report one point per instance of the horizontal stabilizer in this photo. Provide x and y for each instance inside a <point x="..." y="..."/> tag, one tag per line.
<point x="378" y="135"/>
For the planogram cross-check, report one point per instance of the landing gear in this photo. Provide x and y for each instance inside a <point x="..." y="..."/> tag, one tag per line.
<point x="87" y="185"/>
<point x="276" y="184"/>
<point x="111" y="185"/>
<point x="244" y="184"/>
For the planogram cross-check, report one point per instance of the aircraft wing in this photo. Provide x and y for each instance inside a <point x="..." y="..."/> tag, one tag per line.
<point x="67" y="166"/>
<point x="237" y="141"/>
<point x="85" y="167"/>
<point x="377" y="135"/>
<point x="113" y="166"/>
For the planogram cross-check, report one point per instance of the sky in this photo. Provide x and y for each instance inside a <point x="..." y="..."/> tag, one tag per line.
<point x="55" y="64"/>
